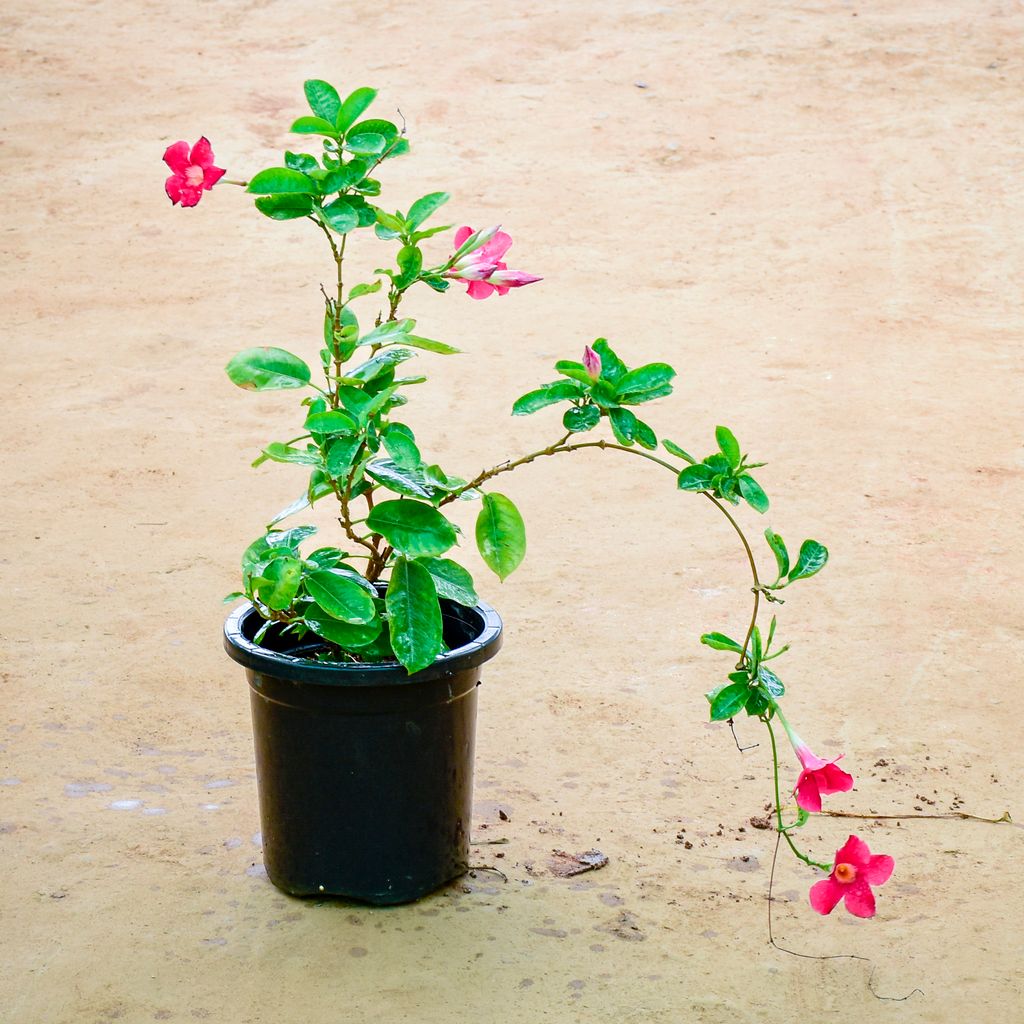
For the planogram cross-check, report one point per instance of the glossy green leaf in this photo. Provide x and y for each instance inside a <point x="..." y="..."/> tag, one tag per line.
<point x="397" y="148"/>
<point x="389" y="331"/>
<point x="753" y="493"/>
<point x="340" y="597"/>
<point x="325" y="558"/>
<point x="623" y="425"/>
<point x="268" y="369"/>
<point x="778" y="546"/>
<point x="410" y="263"/>
<point x="401" y="447"/>
<point x="340" y="455"/>
<point x="364" y="289"/>
<point x="414" y="615"/>
<point x="280" y="582"/>
<point x="451" y="580"/>
<point x="613" y="369"/>
<point x="278" y="452"/>
<point x="770" y="681"/>
<point x="375" y="126"/>
<point x="645" y="383"/>
<point x="290" y="539"/>
<point x="673" y="449"/>
<point x="425" y="207"/>
<point x="323" y="99"/>
<point x="313" y="126"/>
<point x="603" y="393"/>
<point x="696" y="478"/>
<point x="369" y="144"/>
<point x="346" y="635"/>
<point x="728" y="445"/>
<point x="340" y="216"/>
<point x="645" y="436"/>
<point x="579" y="420"/>
<point x="728" y="701"/>
<point x="500" y="535"/>
<point x="332" y="422"/>
<point x="300" y="503"/>
<point x="574" y="370"/>
<point x="412" y="527"/>
<point x="720" y="642"/>
<point x="276" y="180"/>
<point x="285" y="207"/>
<point x="301" y="162"/>
<point x="811" y="560"/>
<point x="399" y="479"/>
<point x="353" y="107"/>
<point x="548" y="394"/>
<point x="377" y="364"/>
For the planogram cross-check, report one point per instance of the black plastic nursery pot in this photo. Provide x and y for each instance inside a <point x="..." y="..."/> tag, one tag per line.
<point x="364" y="772"/>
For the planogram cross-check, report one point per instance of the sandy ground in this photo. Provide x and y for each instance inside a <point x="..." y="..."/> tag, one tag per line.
<point x="814" y="214"/>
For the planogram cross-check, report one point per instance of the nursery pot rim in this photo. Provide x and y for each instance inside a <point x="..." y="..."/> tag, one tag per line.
<point x="259" y="659"/>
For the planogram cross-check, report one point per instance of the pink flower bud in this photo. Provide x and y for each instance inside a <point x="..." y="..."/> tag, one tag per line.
<point x="592" y="363"/>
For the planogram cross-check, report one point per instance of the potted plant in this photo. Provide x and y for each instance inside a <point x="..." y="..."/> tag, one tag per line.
<point x="364" y="654"/>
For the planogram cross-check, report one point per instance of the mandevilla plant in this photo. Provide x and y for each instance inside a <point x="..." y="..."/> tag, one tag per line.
<point x="373" y="595"/>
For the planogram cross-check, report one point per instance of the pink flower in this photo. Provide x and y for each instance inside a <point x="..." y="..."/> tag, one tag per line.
<point x="193" y="171"/>
<point x="472" y="267"/>
<point x="819" y="778"/>
<point x="591" y="363"/>
<point x="856" y="870"/>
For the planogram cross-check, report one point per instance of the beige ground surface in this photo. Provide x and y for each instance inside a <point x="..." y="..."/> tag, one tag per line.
<point x="813" y="212"/>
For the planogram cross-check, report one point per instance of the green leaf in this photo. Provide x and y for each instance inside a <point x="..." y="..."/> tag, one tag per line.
<point x="425" y="207"/>
<point x="720" y="642"/>
<point x="301" y="162"/>
<point x="233" y="596"/>
<point x="778" y="546"/>
<point x="728" y="445"/>
<point x="267" y="369"/>
<point x="285" y="453"/>
<point x="811" y="560"/>
<point x="323" y="99"/>
<point x="313" y="126"/>
<point x="340" y="216"/>
<point x="759" y="702"/>
<point x="696" y="478"/>
<point x="728" y="700"/>
<point x="673" y="449"/>
<point x="428" y="345"/>
<point x="577" y="371"/>
<point x="332" y="422"/>
<point x="547" y="394"/>
<point x="341" y="597"/>
<point x="285" y="207"/>
<point x="579" y="420"/>
<point x="369" y="144"/>
<point x="297" y="505"/>
<point x="410" y="263"/>
<point x="623" y="426"/>
<point x="340" y="455"/>
<point x="604" y="394"/>
<point x="500" y="535"/>
<point x="645" y="383"/>
<point x="645" y="436"/>
<point x="275" y="180"/>
<point x="401" y="447"/>
<point x="375" y="365"/>
<point x="451" y="580"/>
<point x="414" y="615"/>
<point x="346" y="635"/>
<point x="364" y="289"/>
<point x="353" y="108"/>
<point x="290" y="539"/>
<point x="375" y="126"/>
<point x="399" y="479"/>
<point x="753" y="494"/>
<point x="397" y="148"/>
<point x="770" y="681"/>
<point x="280" y="584"/>
<point x="412" y="527"/>
<point x="325" y="558"/>
<point x="756" y="647"/>
<point x="389" y="331"/>
<point x="613" y="369"/>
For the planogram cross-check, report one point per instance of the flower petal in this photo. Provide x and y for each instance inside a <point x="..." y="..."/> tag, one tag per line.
<point x="855" y="851"/>
<point x="176" y="156"/>
<point x="190" y="195"/>
<point x="860" y="900"/>
<point x="824" y="895"/>
<point x="879" y="869"/>
<point x="808" y="796"/>
<point x="832" y="779"/>
<point x="173" y="187"/>
<point x="496" y="247"/>
<point x="211" y="175"/>
<point x="461" y="235"/>
<point x="202" y="153"/>
<point x="479" y="289"/>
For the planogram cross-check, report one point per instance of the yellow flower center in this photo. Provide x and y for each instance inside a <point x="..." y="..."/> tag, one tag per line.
<point x="195" y="174"/>
<point x="845" y="873"/>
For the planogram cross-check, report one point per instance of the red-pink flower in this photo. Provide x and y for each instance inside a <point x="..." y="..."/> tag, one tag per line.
<point x="856" y="870"/>
<point x="591" y="363"/>
<point x="473" y="266"/>
<point x="193" y="170"/>
<point x="819" y="778"/>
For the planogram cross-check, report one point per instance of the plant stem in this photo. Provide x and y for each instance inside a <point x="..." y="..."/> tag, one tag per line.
<point x="778" y="805"/>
